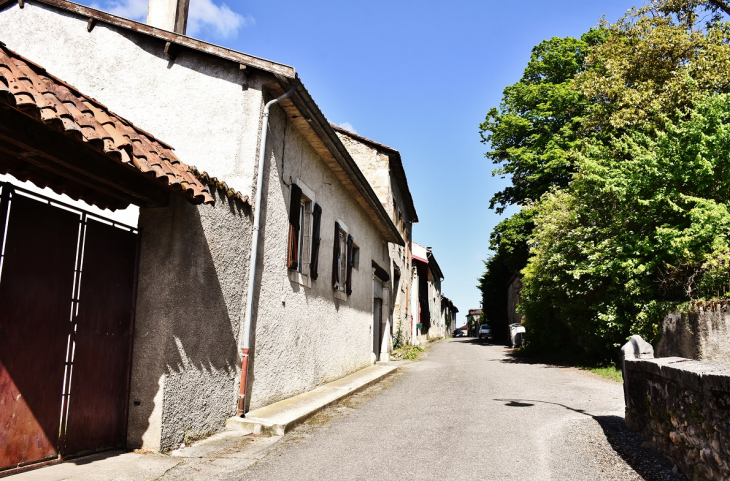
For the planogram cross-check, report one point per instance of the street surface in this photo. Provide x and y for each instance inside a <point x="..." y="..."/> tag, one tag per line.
<point x="466" y="411"/>
<point x="470" y="411"/>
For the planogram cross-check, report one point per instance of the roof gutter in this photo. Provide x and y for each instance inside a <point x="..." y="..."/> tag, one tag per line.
<point x="248" y="332"/>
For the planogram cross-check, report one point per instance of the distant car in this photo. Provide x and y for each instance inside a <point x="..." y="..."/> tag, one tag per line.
<point x="458" y="332"/>
<point x="485" y="332"/>
<point x="517" y="334"/>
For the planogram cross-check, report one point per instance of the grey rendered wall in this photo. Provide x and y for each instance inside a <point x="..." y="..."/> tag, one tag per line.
<point x="191" y="290"/>
<point x="304" y="336"/>
<point x="196" y="103"/>
<point x="185" y="360"/>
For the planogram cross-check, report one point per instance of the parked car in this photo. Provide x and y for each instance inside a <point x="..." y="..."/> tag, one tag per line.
<point x="517" y="334"/>
<point x="485" y="332"/>
<point x="458" y="332"/>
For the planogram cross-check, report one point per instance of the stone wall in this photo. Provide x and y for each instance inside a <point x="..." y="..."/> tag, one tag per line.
<point x="702" y="334"/>
<point x="683" y="407"/>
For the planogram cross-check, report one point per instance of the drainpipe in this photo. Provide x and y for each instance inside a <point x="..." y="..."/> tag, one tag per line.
<point x="245" y="348"/>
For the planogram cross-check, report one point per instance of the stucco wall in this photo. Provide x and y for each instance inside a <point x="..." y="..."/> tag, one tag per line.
<point x="191" y="290"/>
<point x="193" y="267"/>
<point x="702" y="334"/>
<point x="304" y="336"/>
<point x="375" y="165"/>
<point x="196" y="103"/>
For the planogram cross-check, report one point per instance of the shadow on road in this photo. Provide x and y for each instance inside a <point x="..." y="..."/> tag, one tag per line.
<point x="647" y="463"/>
<point x="476" y="340"/>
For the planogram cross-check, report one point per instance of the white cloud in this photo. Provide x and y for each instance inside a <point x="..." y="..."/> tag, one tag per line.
<point x="132" y="9"/>
<point x="220" y="20"/>
<point x="204" y="16"/>
<point x="347" y="126"/>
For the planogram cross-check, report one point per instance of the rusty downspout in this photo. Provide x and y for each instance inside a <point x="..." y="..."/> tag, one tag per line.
<point x="248" y="334"/>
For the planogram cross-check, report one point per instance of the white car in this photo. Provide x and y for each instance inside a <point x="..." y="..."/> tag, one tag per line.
<point x="485" y="332"/>
<point x="517" y="334"/>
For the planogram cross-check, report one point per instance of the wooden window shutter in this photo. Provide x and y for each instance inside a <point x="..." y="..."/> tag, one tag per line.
<point x="350" y="261"/>
<point x="316" y="222"/>
<point x="295" y="204"/>
<point x="336" y="258"/>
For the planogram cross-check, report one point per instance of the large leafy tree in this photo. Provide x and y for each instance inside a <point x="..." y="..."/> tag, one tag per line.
<point x="532" y="134"/>
<point x="616" y="153"/>
<point x="637" y="209"/>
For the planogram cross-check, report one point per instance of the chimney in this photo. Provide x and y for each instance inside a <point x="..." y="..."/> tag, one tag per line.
<point x="169" y="15"/>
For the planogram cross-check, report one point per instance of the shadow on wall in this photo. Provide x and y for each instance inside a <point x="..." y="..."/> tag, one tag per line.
<point x="647" y="463"/>
<point x="192" y="278"/>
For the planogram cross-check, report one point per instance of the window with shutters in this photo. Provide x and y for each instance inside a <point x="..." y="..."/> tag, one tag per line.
<point x="303" y="249"/>
<point x="342" y="261"/>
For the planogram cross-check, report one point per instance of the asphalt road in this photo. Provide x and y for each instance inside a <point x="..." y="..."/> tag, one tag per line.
<point x="468" y="410"/>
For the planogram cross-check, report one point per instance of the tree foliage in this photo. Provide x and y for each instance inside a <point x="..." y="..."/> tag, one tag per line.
<point x="615" y="144"/>
<point x="533" y="133"/>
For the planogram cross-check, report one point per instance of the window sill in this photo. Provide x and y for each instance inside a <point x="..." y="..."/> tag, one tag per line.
<point x="341" y="296"/>
<point x="297" y="277"/>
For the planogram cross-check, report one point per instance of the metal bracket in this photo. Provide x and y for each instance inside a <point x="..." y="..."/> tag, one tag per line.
<point x="171" y="50"/>
<point x="245" y="71"/>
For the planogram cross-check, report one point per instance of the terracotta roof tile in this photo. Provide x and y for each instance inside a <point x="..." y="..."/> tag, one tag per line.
<point x="30" y="89"/>
<point x="220" y="185"/>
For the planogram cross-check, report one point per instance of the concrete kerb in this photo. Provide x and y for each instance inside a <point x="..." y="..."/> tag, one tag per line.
<point x="280" y="417"/>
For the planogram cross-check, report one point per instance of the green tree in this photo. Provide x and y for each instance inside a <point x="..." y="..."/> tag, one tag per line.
<point x="533" y="132"/>
<point x="636" y="210"/>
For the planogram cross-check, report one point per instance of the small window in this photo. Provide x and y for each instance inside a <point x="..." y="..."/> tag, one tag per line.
<point x="305" y="236"/>
<point x="303" y="241"/>
<point x="342" y="259"/>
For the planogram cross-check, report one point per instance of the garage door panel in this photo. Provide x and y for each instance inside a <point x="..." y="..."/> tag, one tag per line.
<point x="96" y="416"/>
<point x="35" y="306"/>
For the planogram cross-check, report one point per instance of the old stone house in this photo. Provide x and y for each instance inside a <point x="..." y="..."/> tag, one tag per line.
<point x="181" y="329"/>
<point x="473" y="320"/>
<point x="448" y="314"/>
<point x="426" y="294"/>
<point x="383" y="167"/>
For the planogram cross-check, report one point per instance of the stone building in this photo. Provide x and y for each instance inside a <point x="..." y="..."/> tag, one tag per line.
<point x="448" y="314"/>
<point x="321" y="269"/>
<point x="473" y="319"/>
<point x="426" y="296"/>
<point x="383" y="167"/>
<point x="514" y="289"/>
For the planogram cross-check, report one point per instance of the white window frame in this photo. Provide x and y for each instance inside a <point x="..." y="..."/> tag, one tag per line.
<point x="300" y="275"/>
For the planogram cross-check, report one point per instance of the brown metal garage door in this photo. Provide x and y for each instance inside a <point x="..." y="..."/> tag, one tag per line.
<point x="66" y="306"/>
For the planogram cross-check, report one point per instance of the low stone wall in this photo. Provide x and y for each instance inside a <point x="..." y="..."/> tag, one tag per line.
<point x="683" y="407"/>
<point x="702" y="334"/>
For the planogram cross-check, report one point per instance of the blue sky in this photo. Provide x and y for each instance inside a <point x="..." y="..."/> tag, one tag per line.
<point x="418" y="76"/>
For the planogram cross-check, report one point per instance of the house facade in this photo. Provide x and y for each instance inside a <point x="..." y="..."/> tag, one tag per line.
<point x="448" y="314"/>
<point x="321" y="279"/>
<point x="383" y="167"/>
<point x="427" y="278"/>
<point x="473" y="320"/>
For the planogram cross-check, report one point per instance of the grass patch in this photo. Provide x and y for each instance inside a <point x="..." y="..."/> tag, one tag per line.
<point x="409" y="352"/>
<point x="610" y="372"/>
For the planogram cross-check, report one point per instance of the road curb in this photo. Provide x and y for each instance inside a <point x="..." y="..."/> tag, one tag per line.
<point x="279" y="418"/>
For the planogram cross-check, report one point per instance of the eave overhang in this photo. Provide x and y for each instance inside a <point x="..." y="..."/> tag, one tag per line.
<point x="180" y="41"/>
<point x="311" y="122"/>
<point x="396" y="164"/>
